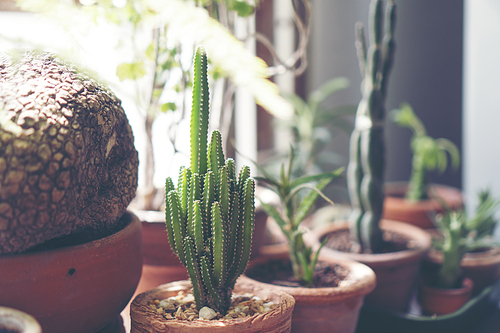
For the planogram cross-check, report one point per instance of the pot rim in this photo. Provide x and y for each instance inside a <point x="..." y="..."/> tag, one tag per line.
<point x="287" y="303"/>
<point x="393" y="190"/>
<point x="360" y="281"/>
<point x="421" y="239"/>
<point x="15" y="319"/>
<point x="124" y="232"/>
<point x="467" y="286"/>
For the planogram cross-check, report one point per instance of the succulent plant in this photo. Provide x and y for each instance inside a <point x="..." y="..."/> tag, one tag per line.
<point x="67" y="156"/>
<point x="365" y="173"/>
<point x="462" y="234"/>
<point x="210" y="215"/>
<point x="428" y="153"/>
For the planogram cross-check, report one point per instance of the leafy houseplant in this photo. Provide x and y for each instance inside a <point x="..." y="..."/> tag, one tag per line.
<point x="293" y="213"/>
<point x="210" y="215"/>
<point x="420" y="206"/>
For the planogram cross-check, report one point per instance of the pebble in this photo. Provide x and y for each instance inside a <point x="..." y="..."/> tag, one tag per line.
<point x="206" y="313"/>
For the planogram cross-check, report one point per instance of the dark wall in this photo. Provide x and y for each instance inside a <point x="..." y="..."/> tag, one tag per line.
<point x="427" y="71"/>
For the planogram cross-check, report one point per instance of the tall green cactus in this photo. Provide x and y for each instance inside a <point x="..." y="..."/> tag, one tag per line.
<point x="367" y="157"/>
<point x="210" y="215"/>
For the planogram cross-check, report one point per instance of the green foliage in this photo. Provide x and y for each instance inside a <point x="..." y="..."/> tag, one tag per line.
<point x="210" y="215"/>
<point x="462" y="234"/>
<point x="365" y="173"/>
<point x="311" y="124"/>
<point x="292" y="212"/>
<point x="428" y="153"/>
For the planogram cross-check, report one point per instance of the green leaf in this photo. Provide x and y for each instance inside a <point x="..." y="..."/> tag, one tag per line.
<point x="130" y="71"/>
<point x="307" y="203"/>
<point x="241" y="7"/>
<point x="319" y="95"/>
<point x="325" y="175"/>
<point x="165" y="107"/>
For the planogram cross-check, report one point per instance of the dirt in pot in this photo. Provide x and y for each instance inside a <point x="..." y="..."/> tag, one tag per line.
<point x="7" y="330"/>
<point x="280" y="272"/>
<point x="341" y="240"/>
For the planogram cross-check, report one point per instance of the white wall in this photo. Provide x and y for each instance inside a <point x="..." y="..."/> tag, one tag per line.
<point x="481" y="98"/>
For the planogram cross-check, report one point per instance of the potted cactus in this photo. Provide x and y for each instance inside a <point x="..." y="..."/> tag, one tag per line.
<point x="474" y="235"/>
<point x="323" y="303"/>
<point x="209" y="218"/>
<point x="70" y="253"/>
<point x="392" y="249"/>
<point x="413" y="202"/>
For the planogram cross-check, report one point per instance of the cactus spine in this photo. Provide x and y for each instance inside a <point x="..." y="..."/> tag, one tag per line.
<point x="366" y="157"/>
<point x="210" y="215"/>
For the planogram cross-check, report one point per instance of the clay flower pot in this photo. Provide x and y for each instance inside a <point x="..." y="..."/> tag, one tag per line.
<point x="144" y="319"/>
<point x="483" y="268"/>
<point x="397" y="272"/>
<point x="15" y="321"/>
<point x="419" y="213"/>
<point x="80" y="288"/>
<point x="320" y="310"/>
<point x="441" y="301"/>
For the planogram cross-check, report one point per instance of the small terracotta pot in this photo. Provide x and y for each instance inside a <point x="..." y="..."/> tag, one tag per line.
<point x="397" y="272"/>
<point x="77" y="289"/>
<point x="144" y="319"/>
<point x="15" y="321"/>
<point x="419" y="213"/>
<point x="483" y="268"/>
<point x="318" y="310"/>
<point x="441" y="301"/>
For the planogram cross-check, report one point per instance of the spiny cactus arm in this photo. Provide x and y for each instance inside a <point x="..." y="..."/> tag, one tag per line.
<point x="388" y="45"/>
<point x="193" y="195"/>
<point x="360" y="45"/>
<point x="215" y="153"/>
<point x="198" y="228"/>
<point x="242" y="178"/>
<point x="194" y="272"/>
<point x="219" y="242"/>
<point x="354" y="178"/>
<point x="233" y="228"/>
<point x="224" y="193"/>
<point x="177" y="224"/>
<point x="169" y="186"/>
<point x="206" y="272"/>
<point x="247" y="224"/>
<point x="208" y="196"/>
<point x="231" y="168"/>
<point x="199" y="113"/>
<point x="183" y="189"/>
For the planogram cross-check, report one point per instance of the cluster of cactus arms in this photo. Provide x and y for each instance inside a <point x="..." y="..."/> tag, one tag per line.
<point x="428" y="153"/>
<point x="366" y="157"/>
<point x="210" y="215"/>
<point x="294" y="209"/>
<point x="462" y="234"/>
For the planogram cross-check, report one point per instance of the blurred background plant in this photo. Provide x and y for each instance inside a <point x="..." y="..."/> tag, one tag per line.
<point x="155" y="42"/>
<point x="428" y="154"/>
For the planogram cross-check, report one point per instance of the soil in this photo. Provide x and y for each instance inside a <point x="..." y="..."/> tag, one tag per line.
<point x="341" y="240"/>
<point x="279" y="272"/>
<point x="5" y="330"/>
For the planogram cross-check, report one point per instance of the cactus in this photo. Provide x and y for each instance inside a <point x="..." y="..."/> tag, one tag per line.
<point x="210" y="215"/>
<point x="462" y="234"/>
<point x="366" y="157"/>
<point x="428" y="153"/>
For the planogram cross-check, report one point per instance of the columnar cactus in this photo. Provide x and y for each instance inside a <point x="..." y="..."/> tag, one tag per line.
<point x="210" y="215"/>
<point x="366" y="157"/>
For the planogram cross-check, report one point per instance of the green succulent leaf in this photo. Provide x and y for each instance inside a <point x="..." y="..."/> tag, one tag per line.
<point x="131" y="71"/>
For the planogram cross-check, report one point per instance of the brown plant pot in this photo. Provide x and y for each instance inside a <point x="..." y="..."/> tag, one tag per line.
<point x="483" y="268"/>
<point x="441" y="301"/>
<point x="318" y="310"/>
<point x="144" y="319"/>
<point x="397" y="272"/>
<point x="15" y="321"/>
<point x="419" y="213"/>
<point x="79" y="288"/>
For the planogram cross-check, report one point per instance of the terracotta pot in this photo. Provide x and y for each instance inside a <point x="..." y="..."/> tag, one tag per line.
<point x="320" y="310"/>
<point x="483" y="268"/>
<point x="397" y="272"/>
<point x="15" y="321"/>
<point x="441" y="301"/>
<point x="144" y="319"/>
<point x="77" y="288"/>
<point x="420" y="213"/>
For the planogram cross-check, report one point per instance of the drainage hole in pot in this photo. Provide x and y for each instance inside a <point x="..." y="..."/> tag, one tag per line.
<point x="70" y="273"/>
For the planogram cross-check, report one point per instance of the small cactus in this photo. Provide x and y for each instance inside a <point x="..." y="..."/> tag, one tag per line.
<point x="366" y="157"/>
<point x="210" y="215"/>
